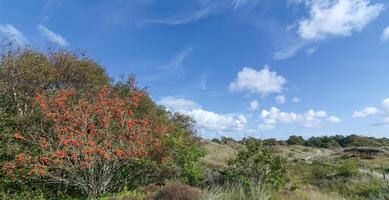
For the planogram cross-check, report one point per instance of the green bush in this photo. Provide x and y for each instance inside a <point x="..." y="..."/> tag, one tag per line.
<point x="347" y="169"/>
<point x="256" y="164"/>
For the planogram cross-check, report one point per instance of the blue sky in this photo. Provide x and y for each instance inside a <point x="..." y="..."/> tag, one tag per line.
<point x="240" y="68"/>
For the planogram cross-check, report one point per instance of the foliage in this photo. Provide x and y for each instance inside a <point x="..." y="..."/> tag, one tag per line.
<point x="347" y="169"/>
<point x="63" y="126"/>
<point x="256" y="164"/>
<point x="295" y="140"/>
<point x="91" y="141"/>
<point x="25" y="72"/>
<point x="184" y="150"/>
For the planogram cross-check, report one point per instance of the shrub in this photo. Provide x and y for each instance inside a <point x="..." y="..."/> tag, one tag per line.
<point x="183" y="148"/>
<point x="178" y="191"/>
<point x="347" y="169"/>
<point x="256" y="164"/>
<point x="91" y="142"/>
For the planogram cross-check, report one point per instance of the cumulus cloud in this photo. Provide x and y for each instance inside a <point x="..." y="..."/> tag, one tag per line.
<point x="334" y="119"/>
<point x="211" y="121"/>
<point x="254" y="105"/>
<point x="384" y="118"/>
<point x="311" y="119"/>
<point x="205" y="120"/>
<point x="178" y="104"/>
<point x="368" y="111"/>
<point x="381" y="113"/>
<point x="296" y="99"/>
<point x="336" y="18"/>
<point x="52" y="36"/>
<point x="261" y="82"/>
<point x="280" y="99"/>
<point x="385" y="104"/>
<point x="13" y="34"/>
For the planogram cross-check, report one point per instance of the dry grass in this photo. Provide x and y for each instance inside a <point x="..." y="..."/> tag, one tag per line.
<point x="217" y="154"/>
<point x="309" y="193"/>
<point x="256" y="192"/>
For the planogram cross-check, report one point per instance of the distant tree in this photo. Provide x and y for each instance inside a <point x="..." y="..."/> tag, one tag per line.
<point x="226" y="140"/>
<point x="216" y="140"/>
<point x="295" y="140"/>
<point x="271" y="142"/>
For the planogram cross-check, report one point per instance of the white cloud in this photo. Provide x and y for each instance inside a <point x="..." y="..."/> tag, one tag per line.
<point x="262" y="82"/>
<point x="385" y="34"/>
<point x="280" y="99"/>
<point x="311" y="118"/>
<point x="296" y="99"/>
<point x="254" y="105"/>
<point x="384" y="118"/>
<point x="381" y="113"/>
<point x="53" y="37"/>
<point x="289" y="52"/>
<point x="334" y="119"/>
<point x="178" y="104"/>
<point x="211" y="121"/>
<point x="201" y="10"/>
<point x="368" y="111"/>
<point x="205" y="120"/>
<point x="311" y="50"/>
<point x="385" y="104"/>
<point x="336" y="18"/>
<point x="13" y="34"/>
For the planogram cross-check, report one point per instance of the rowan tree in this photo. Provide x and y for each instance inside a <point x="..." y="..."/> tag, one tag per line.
<point x="91" y="140"/>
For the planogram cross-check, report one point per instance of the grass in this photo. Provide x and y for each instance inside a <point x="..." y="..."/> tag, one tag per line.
<point x="217" y="154"/>
<point x="255" y="192"/>
<point x="308" y="193"/>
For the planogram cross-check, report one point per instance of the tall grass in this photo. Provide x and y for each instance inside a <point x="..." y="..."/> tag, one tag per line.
<point x="235" y="192"/>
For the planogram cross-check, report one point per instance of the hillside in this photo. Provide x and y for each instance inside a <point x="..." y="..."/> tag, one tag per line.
<point x="370" y="162"/>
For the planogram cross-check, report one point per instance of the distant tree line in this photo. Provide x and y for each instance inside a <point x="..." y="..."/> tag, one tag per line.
<point x="318" y="142"/>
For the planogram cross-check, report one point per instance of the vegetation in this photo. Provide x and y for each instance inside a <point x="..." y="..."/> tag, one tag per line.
<point x="68" y="132"/>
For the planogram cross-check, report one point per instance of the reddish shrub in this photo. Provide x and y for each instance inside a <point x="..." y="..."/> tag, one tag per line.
<point x="91" y="140"/>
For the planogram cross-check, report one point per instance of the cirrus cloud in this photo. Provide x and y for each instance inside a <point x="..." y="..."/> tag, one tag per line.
<point x="52" y="36"/>
<point x="13" y="34"/>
